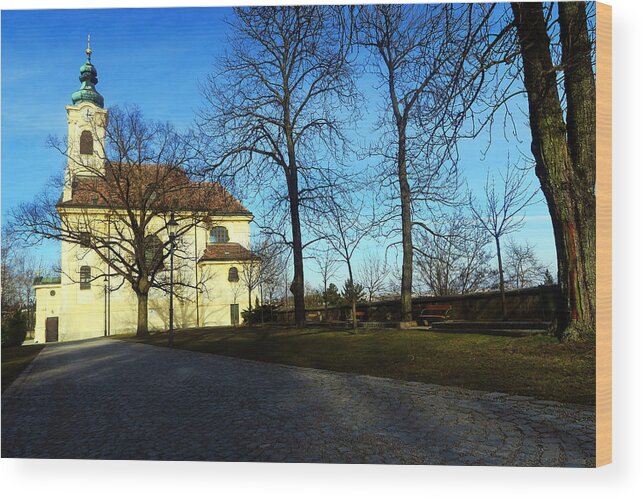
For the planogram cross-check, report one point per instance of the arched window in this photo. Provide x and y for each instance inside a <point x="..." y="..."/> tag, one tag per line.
<point x="153" y="251"/>
<point x="85" y="277"/>
<point x="86" y="143"/>
<point x="233" y="274"/>
<point x="85" y="239"/>
<point x="219" y="234"/>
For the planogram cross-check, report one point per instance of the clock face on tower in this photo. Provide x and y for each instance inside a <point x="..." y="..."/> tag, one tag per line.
<point x="87" y="114"/>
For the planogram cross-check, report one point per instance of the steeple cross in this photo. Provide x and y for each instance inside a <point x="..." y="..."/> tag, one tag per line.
<point x="89" y="50"/>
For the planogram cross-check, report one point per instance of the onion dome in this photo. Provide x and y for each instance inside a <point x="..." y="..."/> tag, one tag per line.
<point x="88" y="79"/>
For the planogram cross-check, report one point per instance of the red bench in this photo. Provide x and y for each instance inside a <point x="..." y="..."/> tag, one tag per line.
<point x="433" y="313"/>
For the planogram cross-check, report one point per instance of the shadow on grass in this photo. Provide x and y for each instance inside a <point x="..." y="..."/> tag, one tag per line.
<point x="15" y="360"/>
<point x="537" y="366"/>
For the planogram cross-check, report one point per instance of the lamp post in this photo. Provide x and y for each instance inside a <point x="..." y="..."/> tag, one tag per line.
<point x="172" y="225"/>
<point x="105" y="293"/>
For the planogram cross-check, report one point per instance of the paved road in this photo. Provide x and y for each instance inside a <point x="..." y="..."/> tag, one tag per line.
<point x="108" y="399"/>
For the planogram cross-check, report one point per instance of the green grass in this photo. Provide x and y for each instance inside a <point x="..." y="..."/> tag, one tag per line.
<point x="538" y="366"/>
<point x="15" y="360"/>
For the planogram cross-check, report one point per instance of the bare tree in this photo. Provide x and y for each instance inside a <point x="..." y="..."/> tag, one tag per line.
<point x="455" y="261"/>
<point x="251" y="273"/>
<point x="422" y="54"/>
<point x="522" y="266"/>
<point x="314" y="297"/>
<point x="19" y="270"/>
<point x="564" y="147"/>
<point x="501" y="211"/>
<point x="373" y="274"/>
<point x="118" y="209"/>
<point x="12" y="271"/>
<point x="273" y="113"/>
<point x="327" y="269"/>
<point x="274" y="263"/>
<point x="344" y="223"/>
<point x="264" y="270"/>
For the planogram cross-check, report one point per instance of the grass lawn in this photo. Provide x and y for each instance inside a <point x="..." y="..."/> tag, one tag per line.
<point x="15" y="360"/>
<point x="537" y="365"/>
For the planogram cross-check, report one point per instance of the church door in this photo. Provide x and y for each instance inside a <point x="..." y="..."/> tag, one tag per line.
<point x="234" y="314"/>
<point x="51" y="329"/>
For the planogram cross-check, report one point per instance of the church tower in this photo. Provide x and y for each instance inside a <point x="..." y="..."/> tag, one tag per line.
<point x="86" y="122"/>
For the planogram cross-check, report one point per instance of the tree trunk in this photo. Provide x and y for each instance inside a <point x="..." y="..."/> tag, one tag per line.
<point x="569" y="192"/>
<point x="580" y="90"/>
<point x="249" y="322"/>
<point x="141" y="325"/>
<point x="407" y="241"/>
<point x="501" y="276"/>
<point x="297" y="286"/>
<point x="353" y="296"/>
<point x="325" y="301"/>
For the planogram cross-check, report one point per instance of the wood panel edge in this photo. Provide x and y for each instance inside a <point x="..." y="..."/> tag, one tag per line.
<point x="603" y="234"/>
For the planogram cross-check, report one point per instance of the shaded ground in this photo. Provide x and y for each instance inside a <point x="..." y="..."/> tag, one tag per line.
<point x="15" y="360"/>
<point x="537" y="366"/>
<point x="107" y="399"/>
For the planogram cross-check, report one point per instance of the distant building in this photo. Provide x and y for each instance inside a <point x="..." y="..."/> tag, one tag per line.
<point x="80" y="305"/>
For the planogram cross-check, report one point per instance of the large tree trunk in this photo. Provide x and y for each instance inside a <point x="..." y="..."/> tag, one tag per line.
<point x="580" y="90"/>
<point x="407" y="241"/>
<point x="292" y="179"/>
<point x="567" y="185"/>
<point x="297" y="285"/>
<point x="141" y="325"/>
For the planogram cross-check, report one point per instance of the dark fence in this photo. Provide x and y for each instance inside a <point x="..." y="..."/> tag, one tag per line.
<point x="530" y="304"/>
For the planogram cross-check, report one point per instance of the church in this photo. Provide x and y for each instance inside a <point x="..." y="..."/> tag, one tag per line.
<point x="204" y="228"/>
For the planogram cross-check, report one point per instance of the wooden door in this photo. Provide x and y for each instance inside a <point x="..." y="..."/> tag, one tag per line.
<point x="234" y="314"/>
<point x="51" y="329"/>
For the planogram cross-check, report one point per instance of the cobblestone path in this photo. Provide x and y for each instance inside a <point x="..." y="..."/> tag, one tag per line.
<point x="108" y="399"/>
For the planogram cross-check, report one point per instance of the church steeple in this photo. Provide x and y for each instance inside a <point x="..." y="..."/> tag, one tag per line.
<point x="88" y="78"/>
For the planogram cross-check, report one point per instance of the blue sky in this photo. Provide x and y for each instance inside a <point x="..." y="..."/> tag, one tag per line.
<point x="153" y="58"/>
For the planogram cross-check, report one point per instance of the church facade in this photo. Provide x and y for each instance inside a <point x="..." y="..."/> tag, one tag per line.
<point x="90" y="298"/>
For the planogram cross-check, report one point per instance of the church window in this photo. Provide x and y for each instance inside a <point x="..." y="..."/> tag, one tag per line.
<point x="86" y="143"/>
<point x="233" y="274"/>
<point x="153" y="251"/>
<point x="219" y="234"/>
<point x="85" y="239"/>
<point x="85" y="277"/>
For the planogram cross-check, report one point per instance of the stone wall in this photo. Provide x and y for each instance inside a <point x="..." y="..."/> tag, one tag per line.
<point x="534" y="304"/>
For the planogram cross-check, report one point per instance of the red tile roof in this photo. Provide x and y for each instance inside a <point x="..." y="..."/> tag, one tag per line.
<point x="227" y="252"/>
<point x="128" y="186"/>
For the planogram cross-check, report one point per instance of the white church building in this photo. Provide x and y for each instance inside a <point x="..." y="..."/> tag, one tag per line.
<point x="88" y="299"/>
